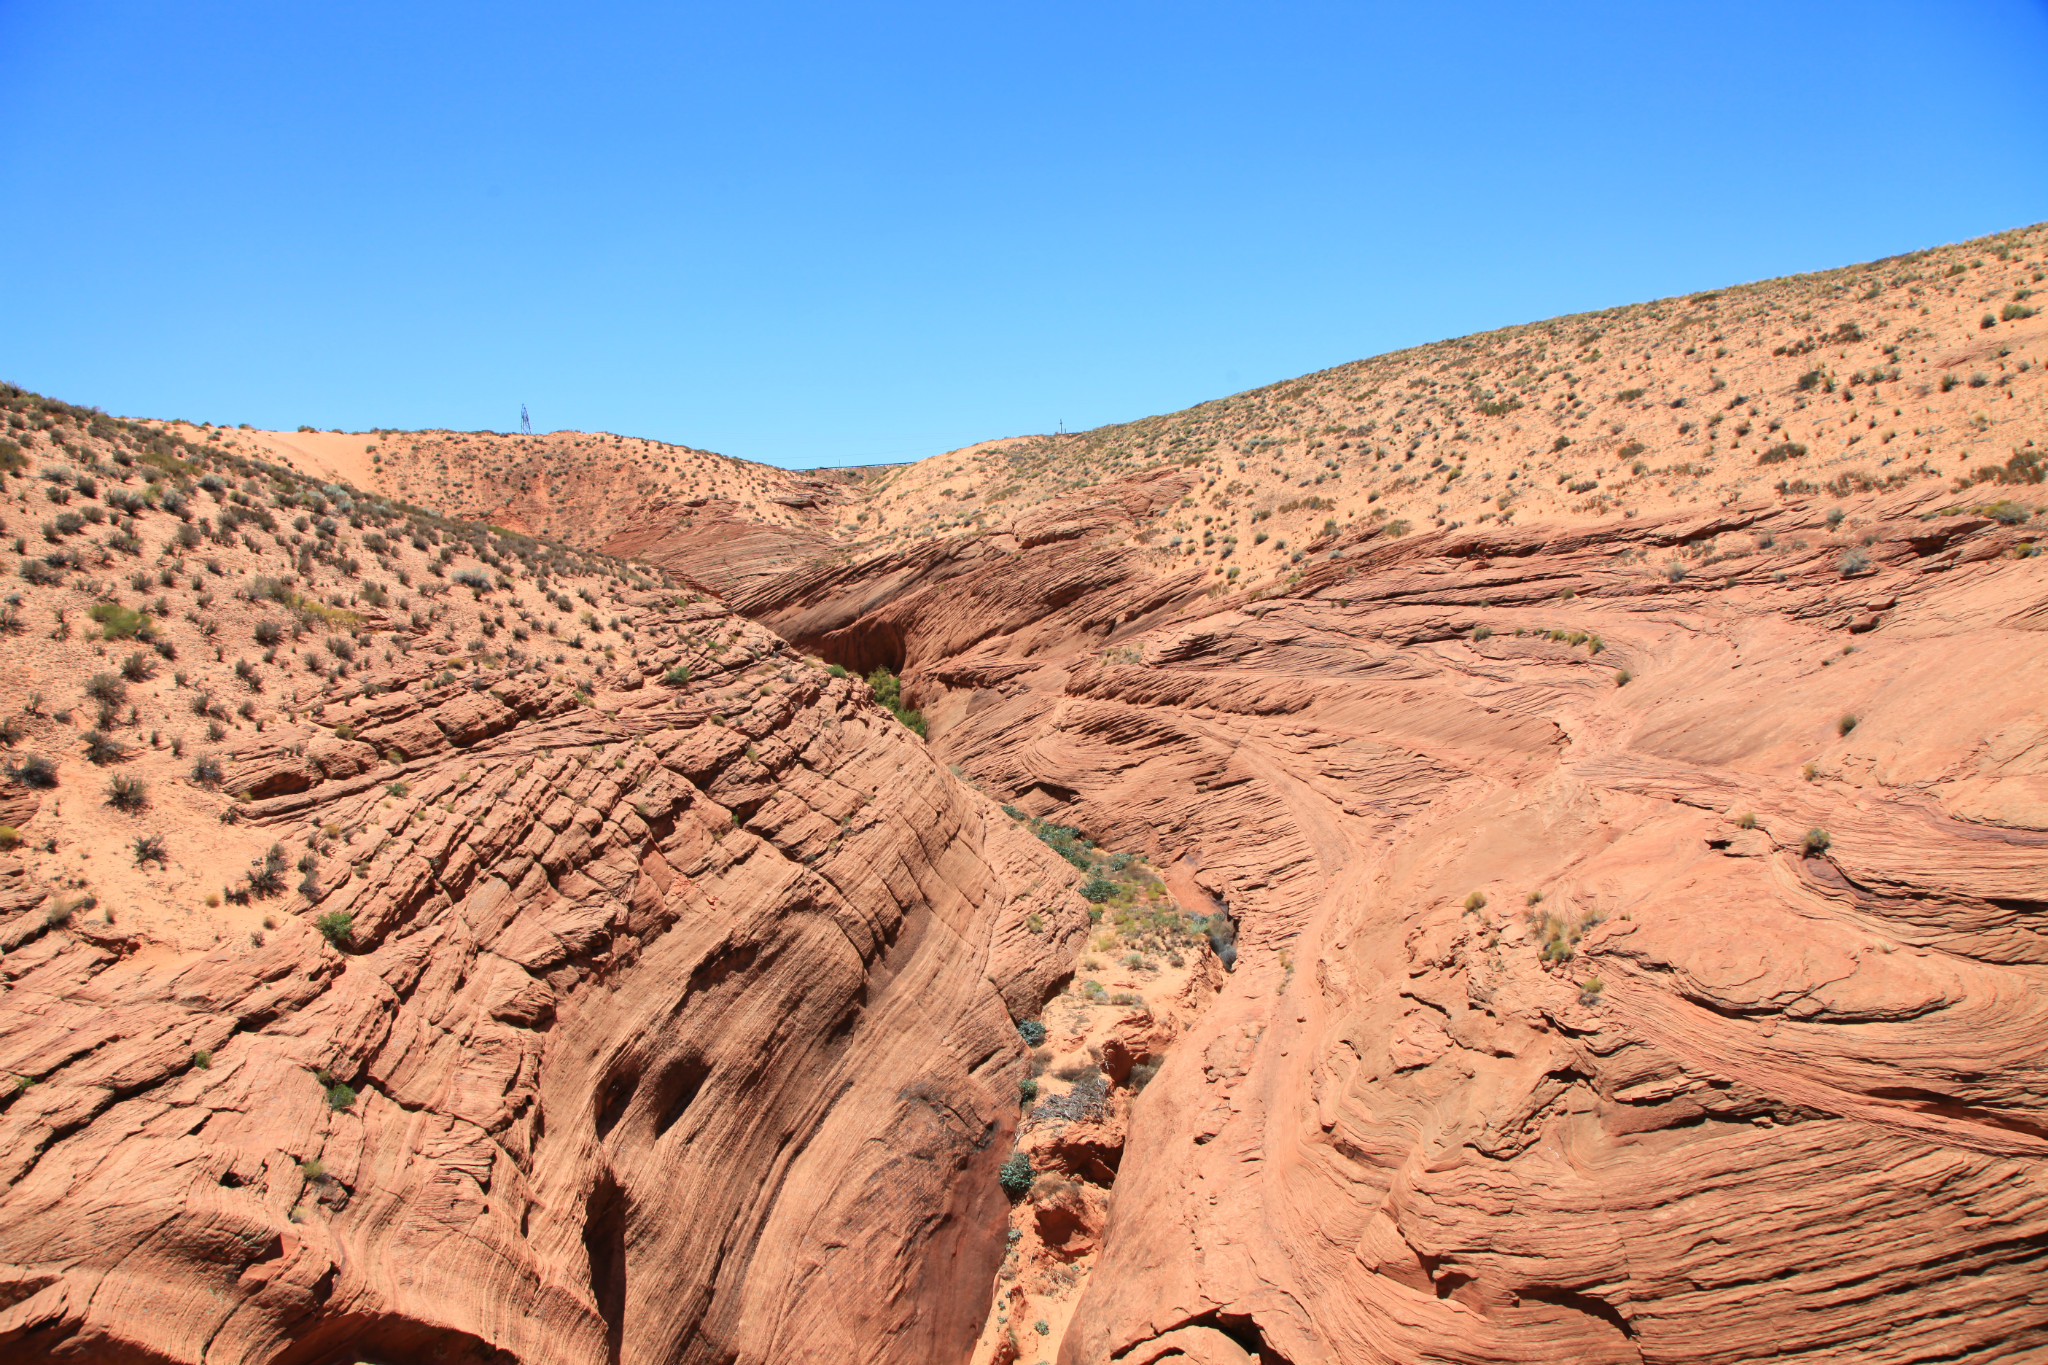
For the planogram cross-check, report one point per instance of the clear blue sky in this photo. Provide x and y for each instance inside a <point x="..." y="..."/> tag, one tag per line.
<point x="833" y="233"/>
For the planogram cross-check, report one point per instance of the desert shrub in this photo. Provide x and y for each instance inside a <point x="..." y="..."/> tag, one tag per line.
<point x="34" y="771"/>
<point x="889" y="692"/>
<point x="1854" y="562"/>
<point x="267" y="878"/>
<point x="1061" y="839"/>
<point x="1816" y="840"/>
<point x="105" y="687"/>
<point x="127" y="793"/>
<point x="676" y="677"/>
<point x="1783" y="451"/>
<point x="1747" y="821"/>
<point x="206" y="770"/>
<point x="1476" y="901"/>
<point x="101" y="749"/>
<point x="138" y="667"/>
<point x="340" y="1096"/>
<point x="1845" y="724"/>
<point x="1016" y="1175"/>
<point x="1098" y="889"/>
<point x="336" y="926"/>
<point x="2006" y="512"/>
<point x="1032" y="1032"/>
<point x="149" y="848"/>
<point x="121" y="623"/>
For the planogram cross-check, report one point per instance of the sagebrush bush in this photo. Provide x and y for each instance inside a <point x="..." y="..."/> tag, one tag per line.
<point x="34" y="771"/>
<point x="127" y="793"/>
<point x="101" y="749"/>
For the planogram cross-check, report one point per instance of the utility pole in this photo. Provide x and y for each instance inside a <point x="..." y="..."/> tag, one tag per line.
<point x="525" y="422"/>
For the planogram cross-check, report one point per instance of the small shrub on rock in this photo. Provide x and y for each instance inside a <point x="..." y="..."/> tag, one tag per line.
<point x="1016" y="1175"/>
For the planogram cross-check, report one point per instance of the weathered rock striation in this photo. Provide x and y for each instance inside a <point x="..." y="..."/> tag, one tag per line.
<point x="1555" y="1034"/>
<point x="1635" y="886"/>
<point x="678" y="1026"/>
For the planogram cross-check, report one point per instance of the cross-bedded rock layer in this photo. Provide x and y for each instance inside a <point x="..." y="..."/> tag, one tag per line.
<point x="679" y="1026"/>
<point x="1555" y="1034"/>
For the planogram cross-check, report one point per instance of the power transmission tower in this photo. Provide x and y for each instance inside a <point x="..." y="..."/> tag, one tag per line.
<point x="525" y="422"/>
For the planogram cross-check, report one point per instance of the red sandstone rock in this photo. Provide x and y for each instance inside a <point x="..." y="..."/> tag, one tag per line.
<point x="1771" y="1105"/>
<point x="667" y="1054"/>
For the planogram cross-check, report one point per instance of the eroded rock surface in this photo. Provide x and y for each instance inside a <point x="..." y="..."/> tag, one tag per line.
<point x="1555" y="1034"/>
<point x="678" y="1026"/>
<point x="1637" y="879"/>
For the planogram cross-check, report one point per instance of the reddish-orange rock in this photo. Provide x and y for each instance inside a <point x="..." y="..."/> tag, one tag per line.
<point x="662" y="1040"/>
<point x="1551" y="1036"/>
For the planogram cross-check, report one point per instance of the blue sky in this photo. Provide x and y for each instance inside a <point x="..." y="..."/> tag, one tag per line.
<point x="825" y="234"/>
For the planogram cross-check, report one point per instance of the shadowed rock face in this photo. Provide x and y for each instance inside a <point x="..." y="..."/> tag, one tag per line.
<point x="1720" y="1093"/>
<point x="679" y="1026"/>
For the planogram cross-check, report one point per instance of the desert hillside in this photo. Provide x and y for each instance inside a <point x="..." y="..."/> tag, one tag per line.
<point x="1873" y="376"/>
<point x="1532" y="848"/>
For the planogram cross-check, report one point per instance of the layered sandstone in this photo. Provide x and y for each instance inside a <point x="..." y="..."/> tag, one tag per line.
<point x="1615" y="743"/>
<point x="1554" y="1034"/>
<point x="650" y="1019"/>
<point x="648" y="992"/>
